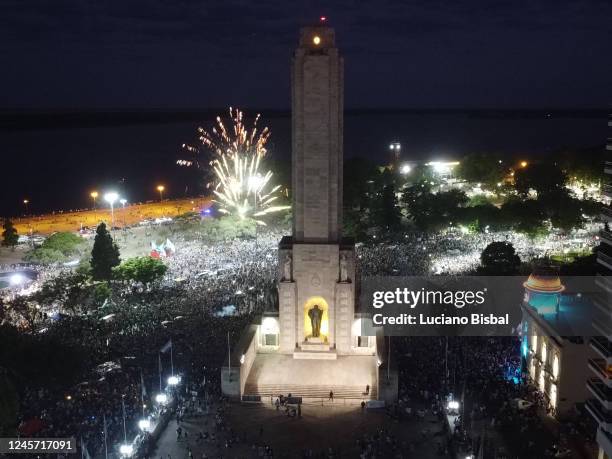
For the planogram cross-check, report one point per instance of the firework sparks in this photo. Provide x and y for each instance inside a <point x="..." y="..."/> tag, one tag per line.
<point x="242" y="187"/>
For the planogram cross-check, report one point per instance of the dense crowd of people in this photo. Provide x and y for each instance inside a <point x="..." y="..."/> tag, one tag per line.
<point x="211" y="290"/>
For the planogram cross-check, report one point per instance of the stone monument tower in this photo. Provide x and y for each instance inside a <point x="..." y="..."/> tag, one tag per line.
<point x="317" y="268"/>
<point x="314" y="343"/>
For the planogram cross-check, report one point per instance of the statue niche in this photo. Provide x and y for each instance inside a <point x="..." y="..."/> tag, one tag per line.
<point x="316" y="316"/>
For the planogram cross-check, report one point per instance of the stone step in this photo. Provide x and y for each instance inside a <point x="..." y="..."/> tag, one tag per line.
<point x="319" y="347"/>
<point x="355" y="392"/>
<point x="315" y="354"/>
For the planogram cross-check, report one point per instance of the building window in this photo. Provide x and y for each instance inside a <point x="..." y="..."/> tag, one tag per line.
<point x="363" y="341"/>
<point x="270" y="339"/>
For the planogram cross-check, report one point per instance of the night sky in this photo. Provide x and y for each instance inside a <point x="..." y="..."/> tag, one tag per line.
<point x="193" y="54"/>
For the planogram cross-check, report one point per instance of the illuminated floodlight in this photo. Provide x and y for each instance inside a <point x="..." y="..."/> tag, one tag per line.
<point x="316" y="40"/>
<point x="161" y="398"/>
<point x="111" y="197"/>
<point x="242" y="359"/>
<point x="123" y="201"/>
<point x="144" y="424"/>
<point x="173" y="380"/>
<point x="17" y="279"/>
<point x="453" y="405"/>
<point x="405" y="169"/>
<point x="442" y="167"/>
<point x="126" y="450"/>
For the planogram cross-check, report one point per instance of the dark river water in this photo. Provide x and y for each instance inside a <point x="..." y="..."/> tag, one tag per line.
<point x="55" y="166"/>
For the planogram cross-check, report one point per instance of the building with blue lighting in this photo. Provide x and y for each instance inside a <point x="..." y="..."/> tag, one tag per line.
<point x="554" y="354"/>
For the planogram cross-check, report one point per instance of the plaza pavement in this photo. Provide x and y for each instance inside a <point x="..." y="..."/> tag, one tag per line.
<point x="331" y="424"/>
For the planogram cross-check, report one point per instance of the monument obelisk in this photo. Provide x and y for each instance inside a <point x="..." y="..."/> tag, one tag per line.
<point x="316" y="279"/>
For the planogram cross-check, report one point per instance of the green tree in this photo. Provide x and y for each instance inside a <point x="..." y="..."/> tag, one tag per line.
<point x="354" y="224"/>
<point x="101" y="292"/>
<point x="433" y="211"/>
<point x="141" y="269"/>
<point x="386" y="212"/>
<point x="481" y="168"/>
<point x="359" y="177"/>
<point x="499" y="259"/>
<point x="9" y="405"/>
<point x="544" y="178"/>
<point x="9" y="235"/>
<point x="524" y="216"/>
<point x="104" y="255"/>
<point x="57" y="248"/>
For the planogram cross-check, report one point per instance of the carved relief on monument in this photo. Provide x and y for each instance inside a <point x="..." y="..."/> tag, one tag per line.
<point x="344" y="276"/>
<point x="287" y="268"/>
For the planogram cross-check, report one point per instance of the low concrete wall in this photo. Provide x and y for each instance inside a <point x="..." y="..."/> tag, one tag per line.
<point x="233" y="378"/>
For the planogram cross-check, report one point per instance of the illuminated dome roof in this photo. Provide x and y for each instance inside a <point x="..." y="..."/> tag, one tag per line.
<point x="544" y="280"/>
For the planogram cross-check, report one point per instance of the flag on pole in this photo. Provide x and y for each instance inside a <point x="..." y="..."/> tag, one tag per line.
<point x="143" y="389"/>
<point x="166" y="347"/>
<point x="84" y="451"/>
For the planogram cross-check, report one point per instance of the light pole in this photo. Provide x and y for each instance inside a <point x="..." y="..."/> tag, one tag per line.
<point x="25" y="203"/>
<point x="111" y="197"/>
<point x="395" y="148"/>
<point x="124" y="429"/>
<point x="94" y="196"/>
<point x="161" y="189"/>
<point x="123" y="201"/>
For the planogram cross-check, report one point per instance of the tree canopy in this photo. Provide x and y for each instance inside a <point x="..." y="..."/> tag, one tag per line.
<point x="141" y="269"/>
<point x="104" y="255"/>
<point x="481" y="168"/>
<point x="9" y="234"/>
<point x="57" y="248"/>
<point x="499" y="259"/>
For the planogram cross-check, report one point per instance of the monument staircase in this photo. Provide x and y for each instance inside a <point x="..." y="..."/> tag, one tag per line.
<point x="308" y="391"/>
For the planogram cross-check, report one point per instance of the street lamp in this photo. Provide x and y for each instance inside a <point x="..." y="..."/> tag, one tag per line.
<point x="161" y="189"/>
<point x="173" y="380"/>
<point x="94" y="196"/>
<point x="25" y="203"/>
<point x="126" y="450"/>
<point x="144" y="424"/>
<point x="111" y="197"/>
<point x="161" y="398"/>
<point x="395" y="148"/>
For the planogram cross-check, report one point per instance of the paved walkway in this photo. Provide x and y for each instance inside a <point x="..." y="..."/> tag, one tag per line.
<point x="320" y="427"/>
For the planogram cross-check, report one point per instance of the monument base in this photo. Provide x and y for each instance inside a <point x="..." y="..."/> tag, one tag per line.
<point x="347" y="376"/>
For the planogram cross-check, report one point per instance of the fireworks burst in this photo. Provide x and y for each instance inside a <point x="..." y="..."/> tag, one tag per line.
<point x="241" y="186"/>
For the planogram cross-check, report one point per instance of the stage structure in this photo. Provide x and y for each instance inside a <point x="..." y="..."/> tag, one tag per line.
<point x="313" y="344"/>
